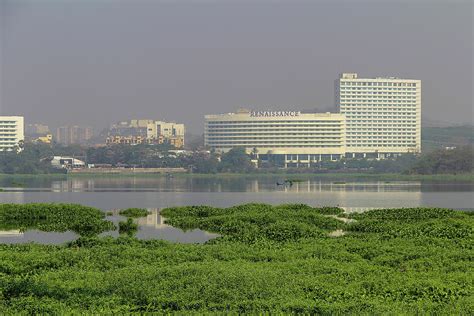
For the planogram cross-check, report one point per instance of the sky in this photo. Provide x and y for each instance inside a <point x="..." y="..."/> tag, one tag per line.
<point x="95" y="62"/>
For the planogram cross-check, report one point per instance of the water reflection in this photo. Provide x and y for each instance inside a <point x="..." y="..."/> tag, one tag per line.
<point x="154" y="191"/>
<point x="36" y="236"/>
<point x="228" y="184"/>
<point x="150" y="227"/>
<point x="153" y="227"/>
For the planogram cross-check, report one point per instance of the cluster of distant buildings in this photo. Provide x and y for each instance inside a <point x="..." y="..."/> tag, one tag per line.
<point x="375" y="118"/>
<point x="14" y="133"/>
<point x="135" y="132"/>
<point x="66" y="135"/>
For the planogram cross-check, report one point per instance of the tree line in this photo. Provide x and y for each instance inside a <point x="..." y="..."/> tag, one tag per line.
<point x="36" y="158"/>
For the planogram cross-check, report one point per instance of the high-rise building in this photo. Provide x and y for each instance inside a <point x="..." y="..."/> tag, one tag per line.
<point x="36" y="129"/>
<point x="129" y="128"/>
<point x="11" y="132"/>
<point x="383" y="115"/>
<point x="68" y="135"/>
<point x="285" y="138"/>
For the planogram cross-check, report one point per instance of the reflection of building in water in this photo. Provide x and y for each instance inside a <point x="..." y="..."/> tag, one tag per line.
<point x="340" y="186"/>
<point x="253" y="186"/>
<point x="153" y="220"/>
<point x="72" y="185"/>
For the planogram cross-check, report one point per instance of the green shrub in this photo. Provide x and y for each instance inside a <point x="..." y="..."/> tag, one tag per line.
<point x="134" y="212"/>
<point x="83" y="220"/>
<point x="269" y="259"/>
<point x="128" y="226"/>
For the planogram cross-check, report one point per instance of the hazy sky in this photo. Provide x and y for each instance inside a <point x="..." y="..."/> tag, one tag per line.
<point x="95" y="62"/>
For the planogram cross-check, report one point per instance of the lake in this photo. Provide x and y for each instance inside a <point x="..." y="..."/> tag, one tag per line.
<point x="152" y="226"/>
<point x="155" y="193"/>
<point x="112" y="192"/>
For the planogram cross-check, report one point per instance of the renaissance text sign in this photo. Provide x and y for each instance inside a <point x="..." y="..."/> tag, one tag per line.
<point x="274" y="113"/>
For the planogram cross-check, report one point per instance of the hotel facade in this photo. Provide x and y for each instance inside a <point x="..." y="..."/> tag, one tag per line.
<point x="376" y="118"/>
<point x="11" y="132"/>
<point x="383" y="115"/>
<point x="286" y="138"/>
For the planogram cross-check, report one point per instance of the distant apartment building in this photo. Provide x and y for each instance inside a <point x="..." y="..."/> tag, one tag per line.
<point x="11" y="133"/>
<point x="383" y="115"/>
<point x="127" y="140"/>
<point x="36" y="129"/>
<point x="285" y="138"/>
<point x="135" y="132"/>
<point x="68" y="135"/>
<point x="130" y="128"/>
<point x="166" y="132"/>
<point x="60" y="162"/>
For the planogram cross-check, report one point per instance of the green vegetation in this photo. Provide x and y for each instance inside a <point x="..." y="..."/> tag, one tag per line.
<point x="440" y="137"/>
<point x="268" y="259"/>
<point x="235" y="160"/>
<point x="442" y="161"/>
<point x="134" y="212"/>
<point x="35" y="159"/>
<point x="128" y="227"/>
<point x="86" y="221"/>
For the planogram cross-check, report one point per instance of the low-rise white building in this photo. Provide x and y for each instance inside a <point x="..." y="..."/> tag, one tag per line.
<point x="12" y="133"/>
<point x="286" y="138"/>
<point x="67" y="163"/>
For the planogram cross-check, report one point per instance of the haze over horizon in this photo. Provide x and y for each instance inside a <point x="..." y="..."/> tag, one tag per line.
<point x="98" y="62"/>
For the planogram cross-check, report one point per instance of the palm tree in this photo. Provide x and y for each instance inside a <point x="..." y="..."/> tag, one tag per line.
<point x="255" y="153"/>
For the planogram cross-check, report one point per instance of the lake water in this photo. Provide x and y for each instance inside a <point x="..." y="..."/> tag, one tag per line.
<point x="155" y="193"/>
<point x="149" y="227"/>
<point x="158" y="192"/>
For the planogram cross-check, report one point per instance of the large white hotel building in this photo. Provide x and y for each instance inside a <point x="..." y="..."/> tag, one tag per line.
<point x="383" y="115"/>
<point x="11" y="132"/>
<point x="377" y="118"/>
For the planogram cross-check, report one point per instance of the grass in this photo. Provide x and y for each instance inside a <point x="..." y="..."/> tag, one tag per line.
<point x="269" y="259"/>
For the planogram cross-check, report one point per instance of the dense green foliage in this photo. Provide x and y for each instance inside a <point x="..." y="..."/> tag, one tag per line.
<point x="268" y="259"/>
<point x="35" y="158"/>
<point x="128" y="227"/>
<point x="236" y="160"/>
<point x="134" y="212"/>
<point x="458" y="160"/>
<point x="440" y="137"/>
<point x="32" y="160"/>
<point x="83" y="220"/>
<point x="257" y="222"/>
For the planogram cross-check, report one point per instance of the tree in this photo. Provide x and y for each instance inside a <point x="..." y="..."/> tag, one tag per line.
<point x="236" y="160"/>
<point x="458" y="160"/>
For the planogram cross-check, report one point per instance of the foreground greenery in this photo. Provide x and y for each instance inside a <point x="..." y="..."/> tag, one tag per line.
<point x="268" y="258"/>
